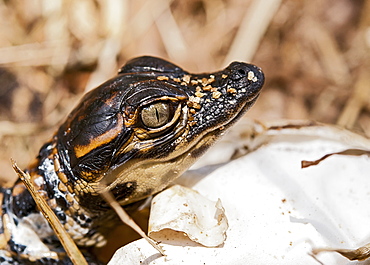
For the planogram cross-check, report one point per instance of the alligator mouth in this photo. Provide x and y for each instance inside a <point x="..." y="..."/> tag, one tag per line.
<point x="247" y="105"/>
<point x="206" y="140"/>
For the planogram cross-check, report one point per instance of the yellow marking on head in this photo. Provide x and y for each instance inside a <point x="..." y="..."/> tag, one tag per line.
<point x="194" y="105"/>
<point x="204" y="81"/>
<point x="251" y="76"/>
<point x="207" y="88"/>
<point x="186" y="78"/>
<point x="199" y="94"/>
<point x="216" y="94"/>
<point x="81" y="150"/>
<point x="231" y="90"/>
<point x="192" y="123"/>
<point x="211" y="79"/>
<point x="162" y="77"/>
<point x="194" y="102"/>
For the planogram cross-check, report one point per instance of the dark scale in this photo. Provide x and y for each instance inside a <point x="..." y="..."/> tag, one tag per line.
<point x="132" y="135"/>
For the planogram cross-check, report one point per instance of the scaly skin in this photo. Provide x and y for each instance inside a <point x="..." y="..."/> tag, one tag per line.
<point x="132" y="135"/>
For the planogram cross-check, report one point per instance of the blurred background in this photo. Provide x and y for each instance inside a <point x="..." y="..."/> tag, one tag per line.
<point x="315" y="55"/>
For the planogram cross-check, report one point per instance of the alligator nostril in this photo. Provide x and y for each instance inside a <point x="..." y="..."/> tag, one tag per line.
<point x="241" y="71"/>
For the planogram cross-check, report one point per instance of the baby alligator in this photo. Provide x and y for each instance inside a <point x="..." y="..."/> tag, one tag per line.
<point x="135" y="133"/>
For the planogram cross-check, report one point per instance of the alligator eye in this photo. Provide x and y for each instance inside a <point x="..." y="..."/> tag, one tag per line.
<point x="155" y="115"/>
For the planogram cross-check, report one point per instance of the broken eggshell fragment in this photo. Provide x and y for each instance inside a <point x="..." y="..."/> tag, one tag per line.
<point x="200" y="219"/>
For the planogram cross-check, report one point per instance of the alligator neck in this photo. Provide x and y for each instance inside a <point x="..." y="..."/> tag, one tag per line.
<point x="19" y="203"/>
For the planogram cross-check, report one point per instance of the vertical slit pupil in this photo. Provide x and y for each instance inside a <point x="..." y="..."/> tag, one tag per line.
<point x="157" y="114"/>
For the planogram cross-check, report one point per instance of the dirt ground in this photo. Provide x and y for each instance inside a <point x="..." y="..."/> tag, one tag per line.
<point x="315" y="55"/>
